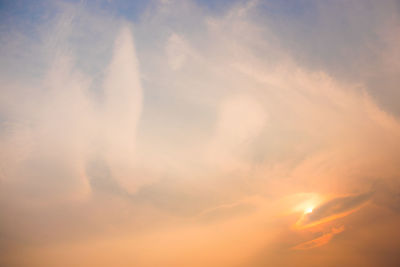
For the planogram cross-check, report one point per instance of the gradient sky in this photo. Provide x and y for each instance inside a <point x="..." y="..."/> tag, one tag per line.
<point x="200" y="133"/>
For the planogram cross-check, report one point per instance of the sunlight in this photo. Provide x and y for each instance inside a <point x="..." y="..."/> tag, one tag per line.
<point x="308" y="210"/>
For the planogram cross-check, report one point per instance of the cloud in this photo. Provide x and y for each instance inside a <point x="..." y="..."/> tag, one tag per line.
<point x="64" y="126"/>
<point x="319" y="241"/>
<point x="123" y="105"/>
<point x="188" y="137"/>
<point x="333" y="209"/>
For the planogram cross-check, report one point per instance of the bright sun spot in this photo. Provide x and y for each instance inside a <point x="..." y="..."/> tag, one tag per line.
<point x="308" y="210"/>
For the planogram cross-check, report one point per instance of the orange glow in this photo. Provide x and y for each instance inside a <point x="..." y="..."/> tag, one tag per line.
<point x="300" y="223"/>
<point x="319" y="241"/>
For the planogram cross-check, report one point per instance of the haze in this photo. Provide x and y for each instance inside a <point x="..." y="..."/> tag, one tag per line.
<point x="200" y="133"/>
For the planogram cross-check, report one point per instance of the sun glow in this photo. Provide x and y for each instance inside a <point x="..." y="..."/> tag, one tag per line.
<point x="308" y="210"/>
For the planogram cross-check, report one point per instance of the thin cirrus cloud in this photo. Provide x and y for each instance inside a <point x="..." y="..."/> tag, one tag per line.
<point x="333" y="209"/>
<point x="186" y="136"/>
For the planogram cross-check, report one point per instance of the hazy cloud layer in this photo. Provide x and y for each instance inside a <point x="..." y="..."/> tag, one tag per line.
<point x="244" y="134"/>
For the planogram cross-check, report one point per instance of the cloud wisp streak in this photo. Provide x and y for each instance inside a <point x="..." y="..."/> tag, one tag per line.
<point x="333" y="209"/>
<point x="319" y="241"/>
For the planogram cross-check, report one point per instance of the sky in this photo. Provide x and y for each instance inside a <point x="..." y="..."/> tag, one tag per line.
<point x="199" y="133"/>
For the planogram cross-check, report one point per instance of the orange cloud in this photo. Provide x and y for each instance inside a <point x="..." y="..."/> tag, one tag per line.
<point x="319" y="241"/>
<point x="333" y="209"/>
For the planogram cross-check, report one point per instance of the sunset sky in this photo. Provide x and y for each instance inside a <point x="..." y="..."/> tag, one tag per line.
<point x="223" y="133"/>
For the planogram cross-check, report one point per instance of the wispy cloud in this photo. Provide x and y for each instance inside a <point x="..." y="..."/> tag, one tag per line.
<point x="333" y="209"/>
<point x="319" y="241"/>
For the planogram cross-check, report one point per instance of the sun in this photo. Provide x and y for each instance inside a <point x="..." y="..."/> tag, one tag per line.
<point x="308" y="210"/>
